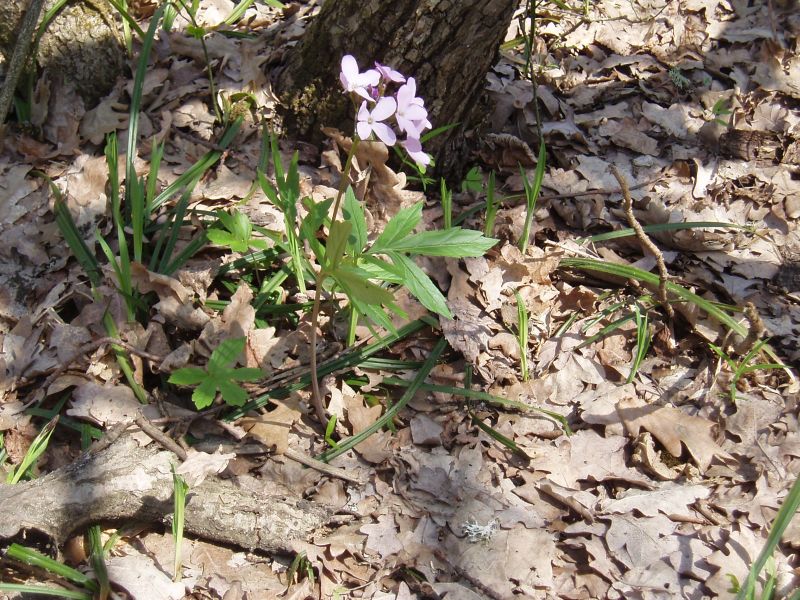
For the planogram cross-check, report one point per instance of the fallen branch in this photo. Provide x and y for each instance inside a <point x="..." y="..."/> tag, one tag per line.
<point x="128" y="482"/>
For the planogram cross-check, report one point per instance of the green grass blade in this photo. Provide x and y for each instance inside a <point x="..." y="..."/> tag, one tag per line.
<point x="532" y="195"/>
<point x="660" y="228"/>
<point x="127" y="18"/>
<point x="43" y="590"/>
<point x="522" y="334"/>
<point x="86" y="259"/>
<point x="785" y="515"/>
<point x="491" y="206"/>
<point x="36" y="449"/>
<point x="98" y="562"/>
<point x="175" y="229"/>
<point x="198" y="169"/>
<point x="180" y="487"/>
<point x="642" y="341"/>
<point x="390" y="413"/>
<point x="483" y="397"/>
<point x="496" y="435"/>
<point x="447" y="204"/>
<point x="344" y="362"/>
<point x="37" y="559"/>
<point x="652" y="280"/>
<point x="136" y="97"/>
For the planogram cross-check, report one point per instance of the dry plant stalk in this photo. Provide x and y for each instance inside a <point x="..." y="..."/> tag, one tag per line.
<point x="646" y="242"/>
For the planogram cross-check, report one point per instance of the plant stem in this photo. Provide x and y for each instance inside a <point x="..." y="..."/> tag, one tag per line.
<point x="316" y="396"/>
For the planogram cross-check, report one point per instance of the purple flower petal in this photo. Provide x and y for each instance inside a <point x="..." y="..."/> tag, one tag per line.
<point x="384" y="109"/>
<point x="389" y="74"/>
<point x="384" y="133"/>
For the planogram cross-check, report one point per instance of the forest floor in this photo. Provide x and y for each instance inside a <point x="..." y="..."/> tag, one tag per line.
<point x="668" y="483"/>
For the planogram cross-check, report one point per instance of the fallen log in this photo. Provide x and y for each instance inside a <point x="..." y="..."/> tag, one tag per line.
<point x="128" y="482"/>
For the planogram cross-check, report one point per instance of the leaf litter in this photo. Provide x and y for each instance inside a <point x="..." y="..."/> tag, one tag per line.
<point x="664" y="490"/>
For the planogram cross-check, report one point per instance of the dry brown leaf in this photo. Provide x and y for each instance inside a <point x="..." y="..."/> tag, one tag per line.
<point x="199" y="465"/>
<point x="672" y="427"/>
<point x="375" y="448"/>
<point x="382" y="536"/>
<point x="272" y="428"/>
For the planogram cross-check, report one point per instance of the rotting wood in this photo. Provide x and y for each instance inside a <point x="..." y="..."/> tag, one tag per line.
<point x="129" y="482"/>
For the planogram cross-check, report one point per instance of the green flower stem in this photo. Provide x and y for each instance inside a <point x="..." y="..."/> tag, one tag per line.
<point x="316" y="396"/>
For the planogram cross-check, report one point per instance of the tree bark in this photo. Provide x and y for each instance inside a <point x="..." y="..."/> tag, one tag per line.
<point x="448" y="46"/>
<point x="82" y="44"/>
<point x="126" y="482"/>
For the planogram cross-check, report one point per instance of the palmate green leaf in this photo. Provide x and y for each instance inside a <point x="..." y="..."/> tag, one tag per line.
<point x="226" y="238"/>
<point x="454" y="242"/>
<point x="397" y="229"/>
<point x="188" y="376"/>
<point x="205" y="393"/>
<point x="231" y="392"/>
<point x="224" y="354"/>
<point x="419" y="284"/>
<point x="218" y="376"/>
<point x="354" y="214"/>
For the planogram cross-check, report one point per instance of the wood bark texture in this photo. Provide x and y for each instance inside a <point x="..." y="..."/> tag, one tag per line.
<point x="82" y="44"/>
<point x="128" y="482"/>
<point x="448" y="46"/>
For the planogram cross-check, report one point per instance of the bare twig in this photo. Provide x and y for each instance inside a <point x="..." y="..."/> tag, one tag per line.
<point x="755" y="330"/>
<point x="320" y="466"/>
<point x="87" y="349"/>
<point x="646" y="242"/>
<point x="159" y="436"/>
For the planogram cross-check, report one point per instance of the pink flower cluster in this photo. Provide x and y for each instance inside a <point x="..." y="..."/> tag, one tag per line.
<point x="376" y="107"/>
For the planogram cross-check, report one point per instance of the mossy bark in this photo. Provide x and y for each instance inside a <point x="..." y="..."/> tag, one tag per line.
<point x="81" y="44"/>
<point x="448" y="46"/>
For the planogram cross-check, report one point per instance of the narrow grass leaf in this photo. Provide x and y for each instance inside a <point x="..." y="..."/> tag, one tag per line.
<point x="98" y="562"/>
<point x="36" y="449"/>
<point x="496" y="435"/>
<point x="346" y="361"/>
<point x="34" y="558"/>
<point x="390" y="413"/>
<point x="179" y="489"/>
<point x="785" y="515"/>
<point x="43" y="590"/>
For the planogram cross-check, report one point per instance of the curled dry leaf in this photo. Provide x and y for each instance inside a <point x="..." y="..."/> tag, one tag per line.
<point x="672" y="427"/>
<point x="198" y="465"/>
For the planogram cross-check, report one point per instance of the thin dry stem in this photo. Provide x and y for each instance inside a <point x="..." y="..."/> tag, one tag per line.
<point x="646" y="242"/>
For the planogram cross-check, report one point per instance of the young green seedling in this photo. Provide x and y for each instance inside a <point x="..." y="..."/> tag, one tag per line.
<point x="522" y="335"/>
<point x="179" y="487"/>
<point x="218" y="375"/>
<point x="532" y="195"/>
<point x="237" y="233"/>
<point x="743" y="366"/>
<point x="36" y="449"/>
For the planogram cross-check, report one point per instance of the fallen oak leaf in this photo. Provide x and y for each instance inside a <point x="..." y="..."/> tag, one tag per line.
<point x="671" y="427"/>
<point x="199" y="465"/>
